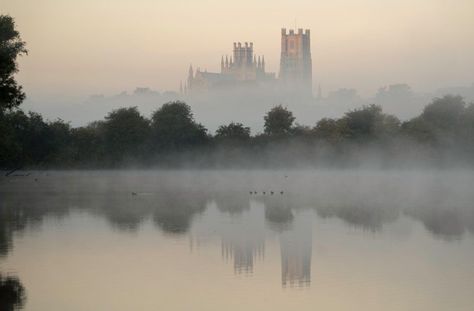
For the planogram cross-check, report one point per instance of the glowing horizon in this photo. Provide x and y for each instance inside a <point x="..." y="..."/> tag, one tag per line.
<point x="105" y="47"/>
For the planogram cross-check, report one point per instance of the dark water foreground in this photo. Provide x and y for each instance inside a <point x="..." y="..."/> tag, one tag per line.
<point x="199" y="240"/>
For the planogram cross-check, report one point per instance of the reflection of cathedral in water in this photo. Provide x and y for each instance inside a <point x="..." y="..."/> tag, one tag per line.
<point x="243" y="228"/>
<point x="296" y="249"/>
<point x="244" y="253"/>
<point x="243" y="238"/>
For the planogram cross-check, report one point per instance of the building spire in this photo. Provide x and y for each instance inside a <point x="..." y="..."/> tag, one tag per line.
<point x="263" y="62"/>
<point x="190" y="77"/>
<point x="222" y="64"/>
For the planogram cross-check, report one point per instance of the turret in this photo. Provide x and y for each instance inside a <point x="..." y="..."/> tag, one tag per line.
<point x="190" y="76"/>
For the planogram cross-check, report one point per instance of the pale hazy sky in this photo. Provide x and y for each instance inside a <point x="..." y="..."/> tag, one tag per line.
<point x="106" y="46"/>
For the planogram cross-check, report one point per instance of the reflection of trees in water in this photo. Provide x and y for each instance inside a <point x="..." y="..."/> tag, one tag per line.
<point x="445" y="223"/>
<point x="367" y="217"/>
<point x="174" y="210"/>
<point x="278" y="213"/>
<point x="173" y="204"/>
<point x="174" y="199"/>
<point x="27" y="209"/>
<point x="124" y="211"/>
<point x="232" y="202"/>
<point x="12" y="293"/>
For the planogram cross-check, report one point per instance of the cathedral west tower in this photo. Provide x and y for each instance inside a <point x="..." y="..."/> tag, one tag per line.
<point x="295" y="61"/>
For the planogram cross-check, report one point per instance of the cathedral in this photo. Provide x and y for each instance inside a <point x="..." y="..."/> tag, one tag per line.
<point x="244" y="69"/>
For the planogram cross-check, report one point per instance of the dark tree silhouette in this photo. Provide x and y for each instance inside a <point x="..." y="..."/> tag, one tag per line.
<point x="12" y="293"/>
<point x="278" y="121"/>
<point x="445" y="123"/>
<point x="174" y="128"/>
<point x="445" y="113"/>
<point x="125" y="132"/>
<point x="11" y="46"/>
<point x="330" y="130"/>
<point x="233" y="131"/>
<point x="368" y="123"/>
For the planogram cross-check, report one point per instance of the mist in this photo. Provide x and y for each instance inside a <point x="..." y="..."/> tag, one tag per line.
<point x="222" y="155"/>
<point x="246" y="106"/>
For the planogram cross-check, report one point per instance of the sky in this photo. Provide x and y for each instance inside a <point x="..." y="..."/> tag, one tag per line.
<point x="79" y="48"/>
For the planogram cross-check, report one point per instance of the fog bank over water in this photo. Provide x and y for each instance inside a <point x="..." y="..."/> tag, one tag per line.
<point x="237" y="232"/>
<point x="366" y="199"/>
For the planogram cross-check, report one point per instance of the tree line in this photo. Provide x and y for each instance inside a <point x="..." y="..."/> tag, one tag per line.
<point x="171" y="136"/>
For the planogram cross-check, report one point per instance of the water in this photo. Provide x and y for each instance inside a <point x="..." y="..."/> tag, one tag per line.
<point x="198" y="240"/>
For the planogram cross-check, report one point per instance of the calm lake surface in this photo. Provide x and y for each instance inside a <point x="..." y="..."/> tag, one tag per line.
<point x="199" y="240"/>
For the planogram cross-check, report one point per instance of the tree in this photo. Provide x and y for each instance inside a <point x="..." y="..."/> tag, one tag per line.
<point x="369" y="123"/>
<point x="28" y="141"/>
<point x="12" y="293"/>
<point x="174" y="128"/>
<point x="329" y="130"/>
<point x="88" y="143"/>
<point x="443" y="122"/>
<point x="361" y="123"/>
<point x="278" y="121"/>
<point x="125" y="132"/>
<point x="11" y="46"/>
<point x="444" y="113"/>
<point x="467" y="128"/>
<point x="233" y="132"/>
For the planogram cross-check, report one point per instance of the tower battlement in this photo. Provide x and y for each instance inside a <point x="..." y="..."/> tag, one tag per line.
<point x="291" y="32"/>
